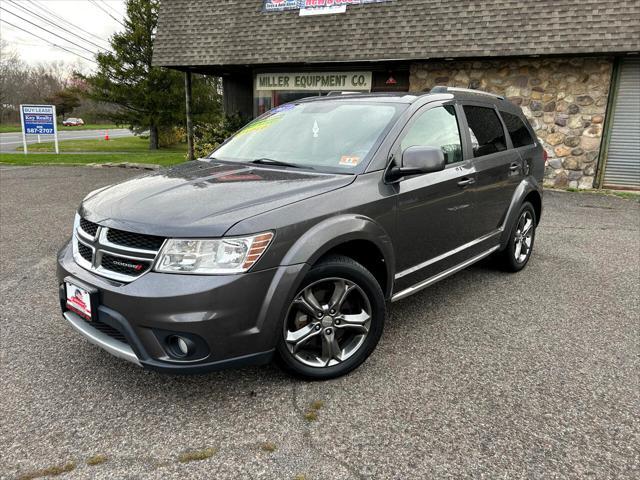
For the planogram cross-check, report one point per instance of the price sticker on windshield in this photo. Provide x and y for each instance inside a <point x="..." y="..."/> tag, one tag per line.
<point x="349" y="161"/>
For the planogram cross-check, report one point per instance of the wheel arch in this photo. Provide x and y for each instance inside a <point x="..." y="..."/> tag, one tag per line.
<point x="535" y="199"/>
<point x="528" y="190"/>
<point x="355" y="236"/>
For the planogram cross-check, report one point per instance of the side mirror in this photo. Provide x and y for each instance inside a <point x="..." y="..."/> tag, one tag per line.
<point x="418" y="160"/>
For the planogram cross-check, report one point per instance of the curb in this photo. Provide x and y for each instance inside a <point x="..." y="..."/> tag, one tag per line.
<point x="129" y="165"/>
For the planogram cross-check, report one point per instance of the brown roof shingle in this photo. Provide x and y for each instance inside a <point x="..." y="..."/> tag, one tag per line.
<point x="236" y="32"/>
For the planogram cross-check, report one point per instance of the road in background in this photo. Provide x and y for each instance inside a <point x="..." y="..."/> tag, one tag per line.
<point x="10" y="142"/>
<point x="485" y="375"/>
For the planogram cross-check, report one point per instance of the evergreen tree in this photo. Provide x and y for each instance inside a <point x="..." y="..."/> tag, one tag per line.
<point x="150" y="98"/>
<point x="65" y="101"/>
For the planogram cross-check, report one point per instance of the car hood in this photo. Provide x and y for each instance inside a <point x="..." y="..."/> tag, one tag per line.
<point x="202" y="198"/>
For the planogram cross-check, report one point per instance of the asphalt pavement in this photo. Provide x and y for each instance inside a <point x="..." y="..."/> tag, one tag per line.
<point x="484" y="375"/>
<point x="9" y="142"/>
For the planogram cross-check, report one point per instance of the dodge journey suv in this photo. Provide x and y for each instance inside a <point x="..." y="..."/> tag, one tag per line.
<point x="290" y="240"/>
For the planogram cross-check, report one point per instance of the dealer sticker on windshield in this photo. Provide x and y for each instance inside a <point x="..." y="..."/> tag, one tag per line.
<point x="349" y="161"/>
<point x="78" y="300"/>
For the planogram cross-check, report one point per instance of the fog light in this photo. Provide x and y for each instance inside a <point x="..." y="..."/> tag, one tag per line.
<point x="180" y="346"/>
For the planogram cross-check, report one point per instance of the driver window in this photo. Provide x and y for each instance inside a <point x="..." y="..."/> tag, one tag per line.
<point x="437" y="127"/>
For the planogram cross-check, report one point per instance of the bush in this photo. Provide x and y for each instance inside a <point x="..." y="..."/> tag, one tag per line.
<point x="168" y="136"/>
<point x="208" y="136"/>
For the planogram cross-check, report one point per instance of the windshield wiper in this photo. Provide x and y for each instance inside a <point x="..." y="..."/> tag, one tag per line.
<point x="271" y="161"/>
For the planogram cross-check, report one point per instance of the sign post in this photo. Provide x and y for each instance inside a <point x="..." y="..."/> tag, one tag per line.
<point x="38" y="120"/>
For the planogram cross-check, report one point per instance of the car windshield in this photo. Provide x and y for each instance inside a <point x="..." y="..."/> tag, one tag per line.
<point x="333" y="136"/>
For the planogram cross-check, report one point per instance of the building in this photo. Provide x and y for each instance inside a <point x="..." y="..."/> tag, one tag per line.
<point x="573" y="65"/>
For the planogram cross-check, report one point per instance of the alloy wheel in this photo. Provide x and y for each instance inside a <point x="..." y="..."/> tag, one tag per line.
<point x="328" y="322"/>
<point x="524" y="237"/>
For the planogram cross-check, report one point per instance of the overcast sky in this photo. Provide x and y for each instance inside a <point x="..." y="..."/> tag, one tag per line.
<point x="92" y="16"/>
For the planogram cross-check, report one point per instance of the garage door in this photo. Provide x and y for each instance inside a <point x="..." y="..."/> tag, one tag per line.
<point x="623" y="156"/>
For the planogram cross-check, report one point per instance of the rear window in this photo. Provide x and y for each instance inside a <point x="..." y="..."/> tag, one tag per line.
<point x="517" y="129"/>
<point x="485" y="129"/>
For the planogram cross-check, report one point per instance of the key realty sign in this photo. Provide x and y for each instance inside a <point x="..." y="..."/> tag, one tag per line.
<point x="38" y="120"/>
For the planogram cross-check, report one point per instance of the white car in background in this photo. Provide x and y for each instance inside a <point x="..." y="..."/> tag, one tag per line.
<point x="73" y="122"/>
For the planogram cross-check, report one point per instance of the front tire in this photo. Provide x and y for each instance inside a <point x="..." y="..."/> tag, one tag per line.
<point x="521" y="240"/>
<point x="334" y="321"/>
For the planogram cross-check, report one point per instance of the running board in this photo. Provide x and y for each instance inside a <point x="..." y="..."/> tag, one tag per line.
<point x="442" y="275"/>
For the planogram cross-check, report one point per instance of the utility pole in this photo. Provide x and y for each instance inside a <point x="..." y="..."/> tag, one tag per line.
<point x="187" y="91"/>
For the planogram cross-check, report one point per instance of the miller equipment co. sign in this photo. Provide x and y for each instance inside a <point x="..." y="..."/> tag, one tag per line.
<point x="315" y="81"/>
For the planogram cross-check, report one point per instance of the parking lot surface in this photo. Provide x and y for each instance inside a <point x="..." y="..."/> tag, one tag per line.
<point x="484" y="375"/>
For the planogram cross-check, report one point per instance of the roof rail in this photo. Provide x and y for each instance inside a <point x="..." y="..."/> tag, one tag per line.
<point x="442" y="89"/>
<point x="335" y="93"/>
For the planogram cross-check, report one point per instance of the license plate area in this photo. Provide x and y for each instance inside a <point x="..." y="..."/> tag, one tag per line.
<point x="81" y="299"/>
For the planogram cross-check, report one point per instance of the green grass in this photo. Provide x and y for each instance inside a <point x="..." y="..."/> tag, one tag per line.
<point x="15" y="127"/>
<point x="118" y="150"/>
<point x="196" y="455"/>
<point x="120" y="145"/>
<point x="98" y="459"/>
<point x="311" y="416"/>
<point x="269" y="447"/>
<point x="628" y="195"/>
<point x="623" y="194"/>
<point x="49" y="471"/>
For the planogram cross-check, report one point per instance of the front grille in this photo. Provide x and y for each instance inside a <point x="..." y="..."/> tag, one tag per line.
<point x="108" y="330"/>
<point x="115" y="254"/>
<point x="85" y="252"/>
<point x="89" y="228"/>
<point x="134" y="240"/>
<point x="124" y="266"/>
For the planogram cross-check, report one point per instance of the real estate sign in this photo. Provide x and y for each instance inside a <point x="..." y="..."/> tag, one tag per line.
<point x="38" y="120"/>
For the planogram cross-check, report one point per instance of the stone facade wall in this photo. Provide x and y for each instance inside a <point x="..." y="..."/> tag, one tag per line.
<point x="565" y="100"/>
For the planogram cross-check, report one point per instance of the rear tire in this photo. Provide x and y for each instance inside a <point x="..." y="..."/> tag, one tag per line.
<point x="334" y="321"/>
<point x="521" y="240"/>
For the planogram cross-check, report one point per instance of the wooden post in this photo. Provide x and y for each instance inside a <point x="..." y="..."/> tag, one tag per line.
<point x="187" y="91"/>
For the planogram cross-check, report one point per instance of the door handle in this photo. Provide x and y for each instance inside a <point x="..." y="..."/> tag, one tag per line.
<point x="514" y="166"/>
<point x="466" y="182"/>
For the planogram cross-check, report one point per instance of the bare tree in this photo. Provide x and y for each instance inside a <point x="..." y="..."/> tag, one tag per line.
<point x="11" y="70"/>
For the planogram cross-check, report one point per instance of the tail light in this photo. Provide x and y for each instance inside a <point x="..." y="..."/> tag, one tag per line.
<point x="545" y="156"/>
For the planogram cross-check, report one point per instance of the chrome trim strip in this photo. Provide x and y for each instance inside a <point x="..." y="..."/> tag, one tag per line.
<point x="102" y="340"/>
<point x="86" y="235"/>
<point x="442" y="275"/>
<point x="126" y="257"/>
<point x="104" y="241"/>
<point x="439" y="258"/>
<point x="79" y="258"/>
<point x="121" y="277"/>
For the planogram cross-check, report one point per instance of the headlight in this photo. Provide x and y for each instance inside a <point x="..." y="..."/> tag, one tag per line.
<point x="212" y="257"/>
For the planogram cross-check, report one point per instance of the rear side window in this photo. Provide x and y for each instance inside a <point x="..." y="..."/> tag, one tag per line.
<point x="518" y="131"/>
<point x="485" y="129"/>
<point x="437" y="127"/>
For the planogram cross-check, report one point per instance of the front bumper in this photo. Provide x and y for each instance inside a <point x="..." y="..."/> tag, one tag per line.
<point x="232" y="319"/>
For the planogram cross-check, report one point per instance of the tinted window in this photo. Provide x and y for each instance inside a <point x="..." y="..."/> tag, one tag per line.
<point x="485" y="128"/>
<point x="518" y="131"/>
<point x="437" y="127"/>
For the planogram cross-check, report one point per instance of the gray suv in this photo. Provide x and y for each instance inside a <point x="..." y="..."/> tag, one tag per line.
<point x="292" y="237"/>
